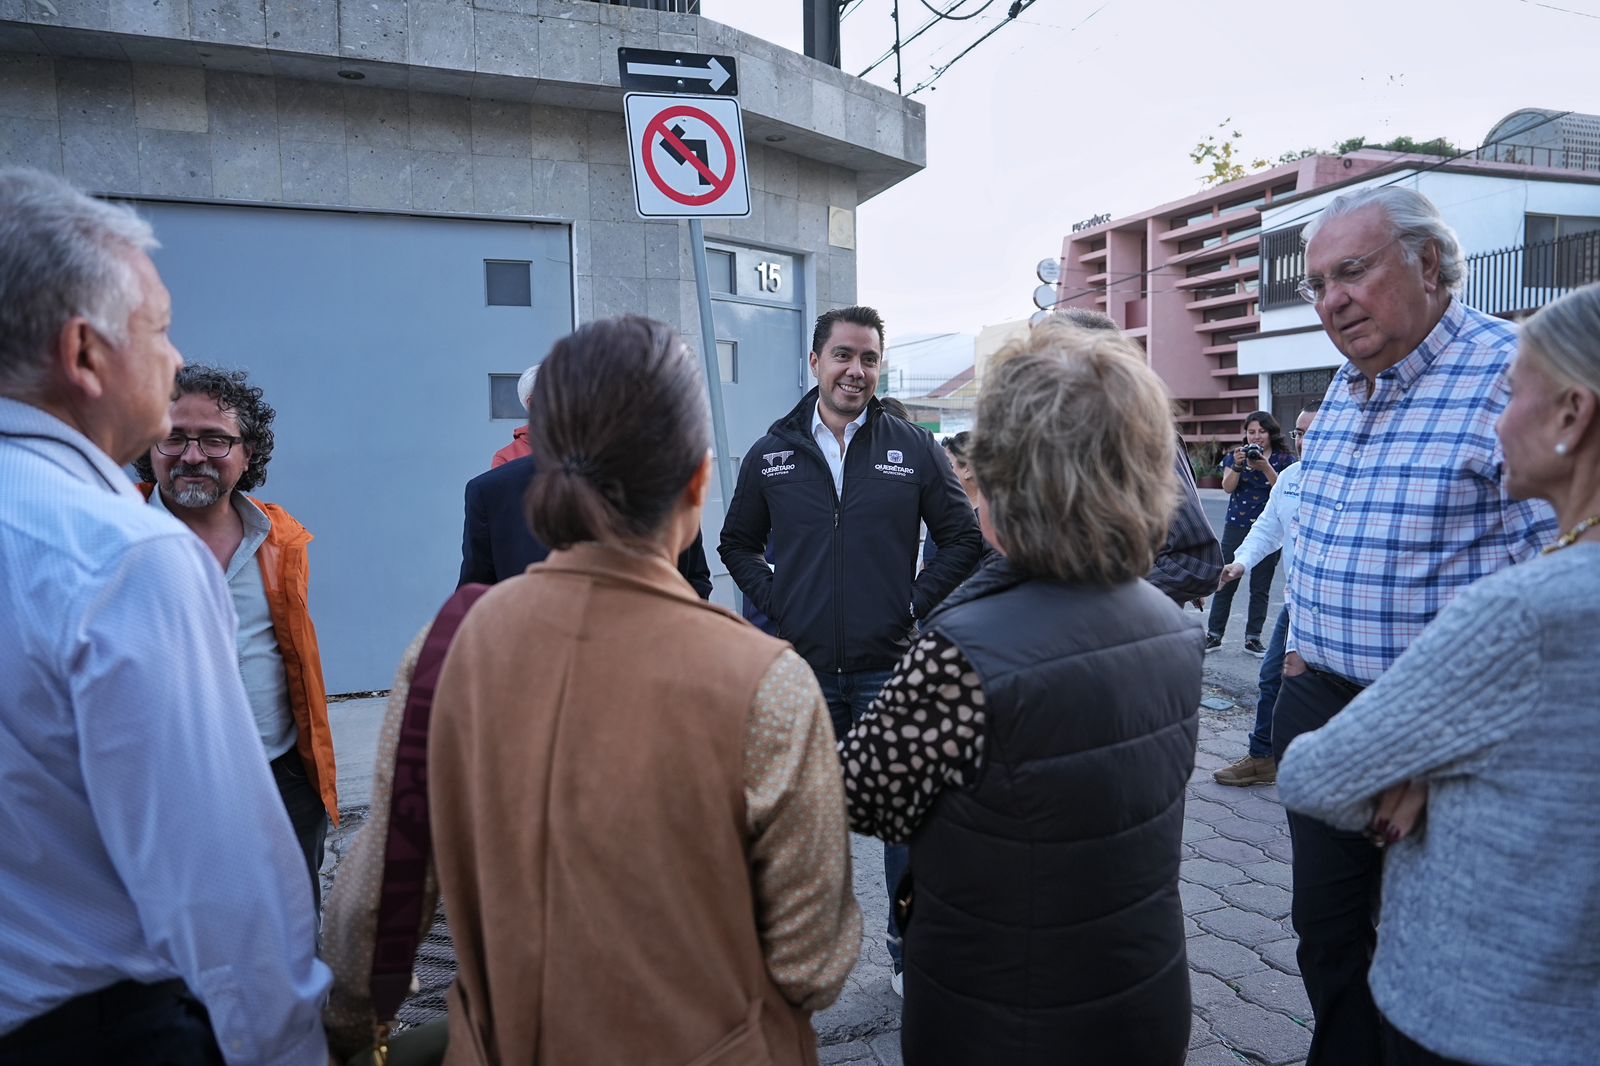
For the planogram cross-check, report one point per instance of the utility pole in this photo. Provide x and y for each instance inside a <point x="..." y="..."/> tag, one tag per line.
<point x="821" y="40"/>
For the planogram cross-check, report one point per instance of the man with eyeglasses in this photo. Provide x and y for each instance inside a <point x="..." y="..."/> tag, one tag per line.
<point x="218" y="449"/>
<point x="1401" y="507"/>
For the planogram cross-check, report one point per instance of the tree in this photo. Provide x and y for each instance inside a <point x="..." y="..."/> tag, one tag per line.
<point x="1437" y="146"/>
<point x="1219" y="156"/>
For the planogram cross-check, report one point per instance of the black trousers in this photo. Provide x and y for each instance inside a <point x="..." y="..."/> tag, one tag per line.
<point x="1337" y="878"/>
<point x="306" y="813"/>
<point x="128" y="1023"/>
<point x="1404" y="1051"/>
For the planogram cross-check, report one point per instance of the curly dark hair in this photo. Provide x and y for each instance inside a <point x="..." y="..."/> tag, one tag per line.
<point x="234" y="393"/>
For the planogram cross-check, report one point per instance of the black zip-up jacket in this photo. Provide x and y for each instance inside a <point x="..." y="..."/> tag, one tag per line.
<point x="841" y="589"/>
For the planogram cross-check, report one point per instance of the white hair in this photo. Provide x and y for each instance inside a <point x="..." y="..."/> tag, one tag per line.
<point x="62" y="255"/>
<point x="1565" y="336"/>
<point x="525" y="384"/>
<point x="1416" y="223"/>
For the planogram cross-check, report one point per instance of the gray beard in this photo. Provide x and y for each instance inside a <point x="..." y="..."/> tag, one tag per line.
<point x="195" y="497"/>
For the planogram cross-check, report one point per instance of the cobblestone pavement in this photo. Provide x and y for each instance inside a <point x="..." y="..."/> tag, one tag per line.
<point x="1249" y="1004"/>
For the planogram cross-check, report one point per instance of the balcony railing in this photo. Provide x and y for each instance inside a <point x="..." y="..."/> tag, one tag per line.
<point x="1507" y="281"/>
<point x="1283" y="263"/>
<point x="1529" y="155"/>
<point x="677" y="7"/>
<point x="1511" y="281"/>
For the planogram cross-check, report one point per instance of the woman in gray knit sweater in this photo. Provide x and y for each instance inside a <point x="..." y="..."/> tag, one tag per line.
<point x="1489" y="946"/>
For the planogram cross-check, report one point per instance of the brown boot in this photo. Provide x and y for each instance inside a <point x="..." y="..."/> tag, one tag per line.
<point x="1248" y="771"/>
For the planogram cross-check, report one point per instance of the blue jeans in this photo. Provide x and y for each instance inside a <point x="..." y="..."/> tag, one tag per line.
<point x="1255" y="621"/>
<point x="849" y="696"/>
<point x="1270" y="681"/>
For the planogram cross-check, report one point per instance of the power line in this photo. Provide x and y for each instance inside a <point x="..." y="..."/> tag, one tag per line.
<point x="876" y="63"/>
<point x="1017" y="8"/>
<point x="1563" y="10"/>
<point x="949" y="17"/>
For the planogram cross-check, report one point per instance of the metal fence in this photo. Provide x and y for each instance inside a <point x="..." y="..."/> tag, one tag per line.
<point x="1562" y="158"/>
<point x="1506" y="281"/>
<point x="675" y="7"/>
<point x="1510" y="281"/>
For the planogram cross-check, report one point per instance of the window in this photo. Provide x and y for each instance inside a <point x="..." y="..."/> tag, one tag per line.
<point x="1211" y="292"/>
<point x="1560" y="251"/>
<point x="1222" y="314"/>
<point x="1243" y="232"/>
<point x="719" y="268"/>
<point x="1242" y="203"/>
<point x="503" y="402"/>
<point x="1253" y="259"/>
<point x="1195" y="270"/>
<point x="1180" y="221"/>
<point x="508" y="283"/>
<point x="728" y="362"/>
<point x="1194" y="244"/>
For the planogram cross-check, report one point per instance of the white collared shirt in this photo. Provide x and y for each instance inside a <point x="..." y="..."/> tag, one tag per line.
<point x="260" y="660"/>
<point x="830" y="444"/>
<point x="155" y="840"/>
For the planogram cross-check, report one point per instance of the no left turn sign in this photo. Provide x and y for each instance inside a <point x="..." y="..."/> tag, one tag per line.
<point x="688" y="156"/>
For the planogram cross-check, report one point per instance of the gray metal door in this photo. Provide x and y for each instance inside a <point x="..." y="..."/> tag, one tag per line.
<point x="374" y="338"/>
<point x="763" y="339"/>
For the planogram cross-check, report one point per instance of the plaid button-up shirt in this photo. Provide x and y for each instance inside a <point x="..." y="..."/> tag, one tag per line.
<point x="1401" y="503"/>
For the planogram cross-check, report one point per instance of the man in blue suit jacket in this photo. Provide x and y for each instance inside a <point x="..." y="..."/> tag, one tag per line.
<point x="496" y="542"/>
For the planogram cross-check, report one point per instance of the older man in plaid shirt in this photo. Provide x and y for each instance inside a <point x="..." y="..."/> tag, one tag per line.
<point x="1401" y="508"/>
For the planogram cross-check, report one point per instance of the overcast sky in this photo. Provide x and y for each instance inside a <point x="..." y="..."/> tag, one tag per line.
<point x="1087" y="106"/>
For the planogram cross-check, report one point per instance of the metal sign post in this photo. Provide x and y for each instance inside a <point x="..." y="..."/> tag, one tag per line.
<point x="686" y="150"/>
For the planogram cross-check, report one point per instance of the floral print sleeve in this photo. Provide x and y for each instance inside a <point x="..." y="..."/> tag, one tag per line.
<point x="922" y="734"/>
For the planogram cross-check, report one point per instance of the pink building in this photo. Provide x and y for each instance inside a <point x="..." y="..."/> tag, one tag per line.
<point x="1181" y="279"/>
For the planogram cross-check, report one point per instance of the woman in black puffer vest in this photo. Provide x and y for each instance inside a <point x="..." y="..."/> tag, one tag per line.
<point x="1034" y="746"/>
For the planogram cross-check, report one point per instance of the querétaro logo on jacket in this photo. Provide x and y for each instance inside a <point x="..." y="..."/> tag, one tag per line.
<point x="778" y="463"/>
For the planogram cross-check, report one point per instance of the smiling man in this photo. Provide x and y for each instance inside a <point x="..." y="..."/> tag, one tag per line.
<point x="840" y="487"/>
<point x="1401" y="507"/>
<point x="218" y="449"/>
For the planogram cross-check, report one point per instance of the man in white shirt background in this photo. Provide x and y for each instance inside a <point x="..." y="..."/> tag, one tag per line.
<point x="1273" y="529"/>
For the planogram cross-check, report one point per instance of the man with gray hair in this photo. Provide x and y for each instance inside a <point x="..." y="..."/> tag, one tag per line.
<point x="155" y="907"/>
<point x="1189" y="565"/>
<point x="519" y="447"/>
<point x="1401" y="507"/>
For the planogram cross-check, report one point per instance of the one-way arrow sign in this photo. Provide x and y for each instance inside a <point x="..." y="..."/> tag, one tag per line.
<point x="648" y="70"/>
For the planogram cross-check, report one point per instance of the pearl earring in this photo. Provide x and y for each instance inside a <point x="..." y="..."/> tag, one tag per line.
<point x="1561" y="449"/>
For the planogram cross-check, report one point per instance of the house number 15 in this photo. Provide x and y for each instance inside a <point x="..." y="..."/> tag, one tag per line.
<point x="769" y="276"/>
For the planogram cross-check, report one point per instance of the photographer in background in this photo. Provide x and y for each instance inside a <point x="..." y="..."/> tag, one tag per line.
<point x="1248" y="474"/>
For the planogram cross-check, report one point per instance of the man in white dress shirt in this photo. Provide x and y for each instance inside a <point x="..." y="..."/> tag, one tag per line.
<point x="154" y="896"/>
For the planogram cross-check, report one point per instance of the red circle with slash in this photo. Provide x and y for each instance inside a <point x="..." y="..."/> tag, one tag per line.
<point x="658" y="127"/>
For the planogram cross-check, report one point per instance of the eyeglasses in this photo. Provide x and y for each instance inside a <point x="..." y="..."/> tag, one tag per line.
<point x="1312" y="289"/>
<point x="212" y="445"/>
<point x="1296" y="434"/>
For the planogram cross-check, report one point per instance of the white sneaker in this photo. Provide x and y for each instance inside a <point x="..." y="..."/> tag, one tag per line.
<point x="897" y="984"/>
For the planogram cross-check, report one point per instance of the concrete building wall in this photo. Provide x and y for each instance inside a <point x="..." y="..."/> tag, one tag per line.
<point x="502" y="110"/>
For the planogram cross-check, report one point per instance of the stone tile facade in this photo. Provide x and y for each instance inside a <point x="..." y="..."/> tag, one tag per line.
<point x="504" y="108"/>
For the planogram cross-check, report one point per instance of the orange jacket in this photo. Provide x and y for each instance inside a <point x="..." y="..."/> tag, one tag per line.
<point x="286" y="576"/>
<point x="518" y="448"/>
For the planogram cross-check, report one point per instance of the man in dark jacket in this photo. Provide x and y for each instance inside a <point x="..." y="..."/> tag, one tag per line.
<point x="839" y="488"/>
<point x="496" y="542"/>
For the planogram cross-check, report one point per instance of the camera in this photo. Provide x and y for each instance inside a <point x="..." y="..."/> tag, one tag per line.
<point x="1252" y="452"/>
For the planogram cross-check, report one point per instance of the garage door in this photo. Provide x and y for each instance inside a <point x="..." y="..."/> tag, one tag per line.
<point x="376" y="338"/>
